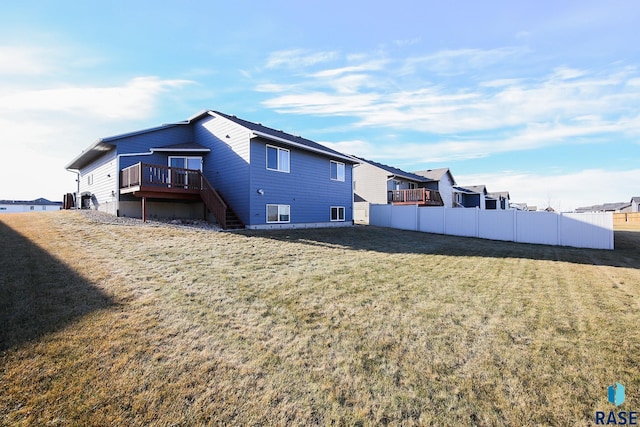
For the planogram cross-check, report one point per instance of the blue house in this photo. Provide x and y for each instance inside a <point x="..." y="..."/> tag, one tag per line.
<point x="242" y="173"/>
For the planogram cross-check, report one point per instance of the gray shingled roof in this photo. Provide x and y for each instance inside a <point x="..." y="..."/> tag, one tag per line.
<point x="186" y="146"/>
<point x="397" y="172"/>
<point x="499" y="194"/>
<point x="605" y="207"/>
<point x="297" y="140"/>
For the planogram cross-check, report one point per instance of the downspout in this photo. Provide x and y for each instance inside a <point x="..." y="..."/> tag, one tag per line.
<point x="353" y="194"/>
<point x="118" y="175"/>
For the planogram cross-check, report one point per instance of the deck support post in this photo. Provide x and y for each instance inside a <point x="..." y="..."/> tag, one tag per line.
<point x="144" y="209"/>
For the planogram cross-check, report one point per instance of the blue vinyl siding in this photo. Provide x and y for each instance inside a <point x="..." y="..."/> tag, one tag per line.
<point x="470" y="200"/>
<point x="142" y="143"/>
<point x="236" y="166"/>
<point x="228" y="167"/>
<point x="307" y="188"/>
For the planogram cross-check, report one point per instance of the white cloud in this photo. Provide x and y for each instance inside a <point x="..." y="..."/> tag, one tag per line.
<point x="459" y="61"/>
<point x="133" y="100"/>
<point x="21" y="60"/>
<point x="296" y="58"/>
<point x="45" y="121"/>
<point x="471" y="118"/>
<point x="563" y="192"/>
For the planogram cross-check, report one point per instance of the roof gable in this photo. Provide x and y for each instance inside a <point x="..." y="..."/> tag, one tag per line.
<point x="260" y="130"/>
<point x="435" y="174"/>
<point x="393" y="171"/>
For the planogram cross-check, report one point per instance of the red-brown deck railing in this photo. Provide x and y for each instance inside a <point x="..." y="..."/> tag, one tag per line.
<point x="415" y="196"/>
<point x="144" y="177"/>
<point x="157" y="176"/>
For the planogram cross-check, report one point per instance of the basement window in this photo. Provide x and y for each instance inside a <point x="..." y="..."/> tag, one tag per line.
<point x="337" y="213"/>
<point x="278" y="213"/>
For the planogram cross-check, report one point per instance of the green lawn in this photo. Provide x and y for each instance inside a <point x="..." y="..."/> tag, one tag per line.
<point x="159" y="325"/>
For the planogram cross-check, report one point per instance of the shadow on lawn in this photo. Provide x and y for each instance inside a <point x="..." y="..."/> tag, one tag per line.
<point x="38" y="293"/>
<point x="393" y="241"/>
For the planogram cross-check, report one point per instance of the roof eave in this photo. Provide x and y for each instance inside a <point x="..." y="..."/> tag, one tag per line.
<point x="96" y="150"/>
<point x="337" y="155"/>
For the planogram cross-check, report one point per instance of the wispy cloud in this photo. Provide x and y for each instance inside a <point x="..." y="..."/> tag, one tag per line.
<point x="44" y="111"/>
<point x="468" y="118"/>
<point x="132" y="100"/>
<point x="563" y="192"/>
<point x="297" y="58"/>
<point x="24" y="60"/>
<point x="459" y="61"/>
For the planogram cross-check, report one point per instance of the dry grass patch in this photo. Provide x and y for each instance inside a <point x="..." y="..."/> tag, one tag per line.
<point x="360" y="326"/>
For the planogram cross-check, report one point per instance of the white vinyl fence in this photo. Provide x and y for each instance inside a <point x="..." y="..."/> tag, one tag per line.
<point x="583" y="230"/>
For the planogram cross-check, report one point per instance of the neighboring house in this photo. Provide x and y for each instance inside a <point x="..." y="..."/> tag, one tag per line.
<point x="635" y="204"/>
<point x="473" y="196"/>
<point x="501" y="200"/>
<point x="442" y="181"/>
<point x="607" y="207"/>
<point x="38" y="205"/>
<point x="377" y="183"/>
<point x="243" y="173"/>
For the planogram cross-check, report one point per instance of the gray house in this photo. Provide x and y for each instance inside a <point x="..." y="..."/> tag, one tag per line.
<point x="441" y="180"/>
<point x="37" y="205"/>
<point x="501" y="200"/>
<point x="377" y="183"/>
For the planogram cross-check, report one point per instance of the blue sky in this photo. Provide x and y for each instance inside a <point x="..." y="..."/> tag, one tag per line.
<point x="538" y="98"/>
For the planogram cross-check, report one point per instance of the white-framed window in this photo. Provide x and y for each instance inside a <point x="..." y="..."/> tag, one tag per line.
<point x="277" y="159"/>
<point x="337" y="171"/>
<point x="337" y="213"/>
<point x="278" y="213"/>
<point x="184" y="178"/>
<point x="186" y="162"/>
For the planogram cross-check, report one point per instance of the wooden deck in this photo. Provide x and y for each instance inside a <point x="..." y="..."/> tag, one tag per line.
<point x="164" y="182"/>
<point x="415" y="196"/>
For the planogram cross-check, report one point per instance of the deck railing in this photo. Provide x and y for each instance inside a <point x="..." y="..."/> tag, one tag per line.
<point x="169" y="179"/>
<point x="415" y="196"/>
<point x="213" y="201"/>
<point x="143" y="174"/>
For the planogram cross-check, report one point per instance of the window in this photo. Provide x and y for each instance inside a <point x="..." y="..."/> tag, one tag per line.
<point x="277" y="159"/>
<point x="184" y="178"/>
<point x="337" y="171"/>
<point x="337" y="213"/>
<point x="183" y="162"/>
<point x="277" y="213"/>
<point x="31" y="208"/>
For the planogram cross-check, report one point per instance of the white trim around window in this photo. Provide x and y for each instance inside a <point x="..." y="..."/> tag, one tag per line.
<point x="278" y="214"/>
<point x="277" y="159"/>
<point x="337" y="213"/>
<point x="337" y="170"/>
